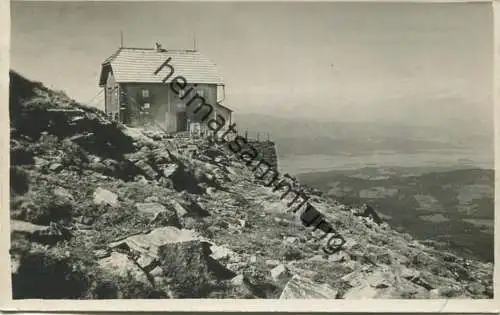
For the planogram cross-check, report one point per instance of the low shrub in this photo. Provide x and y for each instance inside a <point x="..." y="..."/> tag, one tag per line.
<point x="19" y="182"/>
<point x="107" y="286"/>
<point x="44" y="207"/>
<point x="44" y="274"/>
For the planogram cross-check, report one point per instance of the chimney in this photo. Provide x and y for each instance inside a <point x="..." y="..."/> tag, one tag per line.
<point x="158" y="47"/>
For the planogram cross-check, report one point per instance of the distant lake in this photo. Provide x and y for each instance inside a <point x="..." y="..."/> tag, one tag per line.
<point x="296" y="164"/>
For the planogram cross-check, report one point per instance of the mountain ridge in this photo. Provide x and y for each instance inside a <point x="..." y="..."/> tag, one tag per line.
<point x="108" y="211"/>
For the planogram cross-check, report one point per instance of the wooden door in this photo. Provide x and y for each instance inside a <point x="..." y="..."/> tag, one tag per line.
<point x="181" y="121"/>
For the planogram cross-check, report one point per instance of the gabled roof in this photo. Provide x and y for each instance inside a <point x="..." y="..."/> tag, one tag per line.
<point x="220" y="105"/>
<point x="137" y="65"/>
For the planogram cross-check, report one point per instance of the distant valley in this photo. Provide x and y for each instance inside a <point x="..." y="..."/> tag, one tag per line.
<point x="435" y="182"/>
<point x="452" y="209"/>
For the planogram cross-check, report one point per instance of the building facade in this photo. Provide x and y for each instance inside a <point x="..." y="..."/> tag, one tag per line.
<point x="142" y="87"/>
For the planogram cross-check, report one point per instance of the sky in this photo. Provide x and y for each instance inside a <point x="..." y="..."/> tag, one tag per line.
<point x="393" y="62"/>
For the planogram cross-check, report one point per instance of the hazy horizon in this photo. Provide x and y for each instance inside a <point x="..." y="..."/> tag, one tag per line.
<point x="427" y="64"/>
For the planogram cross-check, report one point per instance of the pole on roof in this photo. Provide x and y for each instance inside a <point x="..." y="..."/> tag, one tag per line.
<point x="121" y="39"/>
<point x="194" y="40"/>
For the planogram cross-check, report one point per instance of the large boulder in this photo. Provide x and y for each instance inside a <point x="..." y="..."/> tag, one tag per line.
<point x="174" y="258"/>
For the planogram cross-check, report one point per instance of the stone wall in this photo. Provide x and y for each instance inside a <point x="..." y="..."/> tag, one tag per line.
<point x="266" y="150"/>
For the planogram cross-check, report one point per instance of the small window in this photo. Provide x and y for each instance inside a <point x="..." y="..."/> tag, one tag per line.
<point x="145" y="93"/>
<point x="201" y="93"/>
<point x="181" y="93"/>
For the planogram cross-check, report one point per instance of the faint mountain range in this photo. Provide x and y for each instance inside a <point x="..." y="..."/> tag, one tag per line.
<point x="307" y="136"/>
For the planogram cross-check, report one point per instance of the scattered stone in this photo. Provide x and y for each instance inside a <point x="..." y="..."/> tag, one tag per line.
<point x="146" y="262"/>
<point x="410" y="274"/>
<point x="280" y="273"/>
<point x="56" y="167"/>
<point x="317" y="258"/>
<point x="104" y="196"/>
<point x="349" y="244"/>
<point x="291" y="239"/>
<point x="222" y="253"/>
<point x="188" y="208"/>
<point x="141" y="179"/>
<point x="434" y="294"/>
<point x="185" y="262"/>
<point x="339" y="257"/>
<point x="39" y="162"/>
<point x="86" y="220"/>
<point x="63" y="193"/>
<point x="147" y="170"/>
<point x="152" y="242"/>
<point x="238" y="280"/>
<point x="150" y="208"/>
<point x="272" y="262"/>
<point x="48" y="235"/>
<point x="302" y="288"/>
<point x="102" y="253"/>
<point x="364" y="291"/>
<point x="17" y="226"/>
<point x="120" y="265"/>
<point x="381" y="285"/>
<point x="15" y="263"/>
<point x="476" y="288"/>
<point x="170" y="169"/>
<point x="179" y="208"/>
<point x="151" y="199"/>
<point x="157" y="272"/>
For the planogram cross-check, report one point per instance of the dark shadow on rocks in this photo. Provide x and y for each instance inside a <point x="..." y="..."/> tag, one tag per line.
<point x="218" y="270"/>
<point x="264" y="290"/>
<point x="184" y="179"/>
<point x="19" y="182"/>
<point x="41" y="276"/>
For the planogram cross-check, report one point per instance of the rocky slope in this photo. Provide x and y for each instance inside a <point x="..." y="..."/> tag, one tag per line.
<point x="99" y="210"/>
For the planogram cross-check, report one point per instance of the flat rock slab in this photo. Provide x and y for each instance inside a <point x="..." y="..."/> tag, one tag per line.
<point x="120" y="265"/>
<point x="302" y="288"/>
<point x="104" y="196"/>
<point x="26" y="227"/>
<point x="152" y="242"/>
<point x="150" y="208"/>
